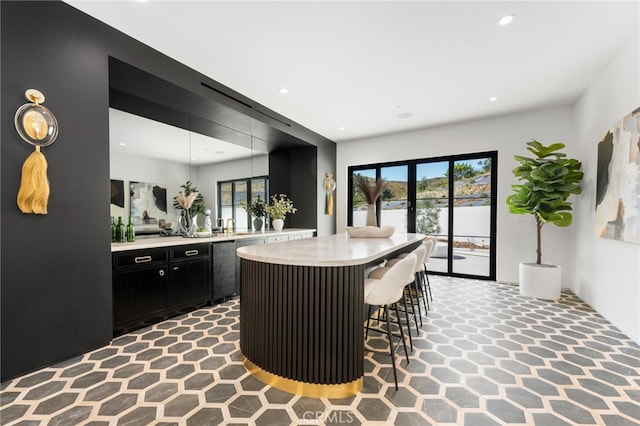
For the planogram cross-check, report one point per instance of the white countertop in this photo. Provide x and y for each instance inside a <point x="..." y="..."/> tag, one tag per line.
<point x="156" y="242"/>
<point x="328" y="250"/>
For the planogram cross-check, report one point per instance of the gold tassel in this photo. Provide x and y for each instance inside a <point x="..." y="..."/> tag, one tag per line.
<point x="33" y="195"/>
<point x="329" y="204"/>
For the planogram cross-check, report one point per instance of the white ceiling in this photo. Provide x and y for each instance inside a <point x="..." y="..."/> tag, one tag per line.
<point x="360" y="64"/>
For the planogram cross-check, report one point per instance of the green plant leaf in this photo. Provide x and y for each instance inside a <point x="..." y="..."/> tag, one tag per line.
<point x="546" y="182"/>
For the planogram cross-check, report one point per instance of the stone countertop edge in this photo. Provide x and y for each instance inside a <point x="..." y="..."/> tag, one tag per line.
<point x="328" y="250"/>
<point x="159" y="242"/>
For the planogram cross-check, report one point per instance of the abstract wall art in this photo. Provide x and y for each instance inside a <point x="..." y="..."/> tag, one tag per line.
<point x="117" y="198"/>
<point x="148" y="203"/>
<point x="618" y="181"/>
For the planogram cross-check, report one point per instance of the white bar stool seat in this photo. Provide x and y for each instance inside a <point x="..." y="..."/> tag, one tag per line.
<point x="385" y="292"/>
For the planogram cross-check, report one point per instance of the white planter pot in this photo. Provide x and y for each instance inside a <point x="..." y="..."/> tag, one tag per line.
<point x="540" y="281"/>
<point x="277" y="224"/>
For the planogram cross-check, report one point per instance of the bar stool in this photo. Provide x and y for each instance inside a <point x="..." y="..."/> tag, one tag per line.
<point x="430" y="244"/>
<point x="417" y="281"/>
<point x="385" y="292"/>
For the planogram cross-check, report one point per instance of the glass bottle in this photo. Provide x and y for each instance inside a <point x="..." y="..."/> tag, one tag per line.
<point x="120" y="231"/>
<point x="207" y="221"/>
<point x="131" y="231"/>
<point x="113" y="230"/>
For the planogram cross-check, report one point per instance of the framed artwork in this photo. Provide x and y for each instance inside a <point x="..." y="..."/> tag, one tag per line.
<point x="618" y="181"/>
<point x="148" y="203"/>
<point x="117" y="198"/>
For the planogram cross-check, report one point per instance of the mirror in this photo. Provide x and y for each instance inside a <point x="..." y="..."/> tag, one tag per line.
<point x="176" y="114"/>
<point x="149" y="158"/>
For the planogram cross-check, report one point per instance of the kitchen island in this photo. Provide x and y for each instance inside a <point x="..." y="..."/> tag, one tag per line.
<point x="302" y="310"/>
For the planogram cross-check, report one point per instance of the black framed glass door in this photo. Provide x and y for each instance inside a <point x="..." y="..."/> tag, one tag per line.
<point x="452" y="199"/>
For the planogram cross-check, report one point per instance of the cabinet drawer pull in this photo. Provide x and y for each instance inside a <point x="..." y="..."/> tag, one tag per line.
<point x="143" y="259"/>
<point x="161" y="272"/>
<point x="191" y="252"/>
<point x="175" y="268"/>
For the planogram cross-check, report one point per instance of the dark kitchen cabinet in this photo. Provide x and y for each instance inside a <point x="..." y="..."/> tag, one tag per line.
<point x="244" y="243"/>
<point x="224" y="270"/>
<point x="140" y="282"/>
<point x="155" y="284"/>
<point x="226" y="267"/>
<point x="190" y="276"/>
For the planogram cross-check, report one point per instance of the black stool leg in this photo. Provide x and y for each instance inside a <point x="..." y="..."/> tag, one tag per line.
<point x="391" y="350"/>
<point x="413" y="309"/>
<point x="406" y="315"/>
<point x="415" y="287"/>
<point x="406" y="354"/>
<point x="428" y="283"/>
<point x="366" y="334"/>
<point x="423" y="294"/>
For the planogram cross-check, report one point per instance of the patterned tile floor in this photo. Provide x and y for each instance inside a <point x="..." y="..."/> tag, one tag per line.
<point x="485" y="356"/>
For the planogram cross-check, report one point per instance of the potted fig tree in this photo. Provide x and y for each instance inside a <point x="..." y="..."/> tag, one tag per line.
<point x="546" y="182"/>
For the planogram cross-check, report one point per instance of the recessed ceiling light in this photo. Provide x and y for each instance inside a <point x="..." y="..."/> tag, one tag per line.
<point x="405" y="115"/>
<point x="506" y="20"/>
<point x="122" y="144"/>
<point x="341" y="128"/>
<point x="284" y="90"/>
<point x="493" y="99"/>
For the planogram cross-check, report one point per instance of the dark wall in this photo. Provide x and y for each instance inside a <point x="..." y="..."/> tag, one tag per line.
<point x="56" y="269"/>
<point x="294" y="172"/>
<point x="55" y="277"/>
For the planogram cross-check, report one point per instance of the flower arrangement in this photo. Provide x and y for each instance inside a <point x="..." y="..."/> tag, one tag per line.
<point x="280" y="206"/>
<point x="189" y="200"/>
<point x="371" y="193"/>
<point x="257" y="208"/>
<point x="190" y="203"/>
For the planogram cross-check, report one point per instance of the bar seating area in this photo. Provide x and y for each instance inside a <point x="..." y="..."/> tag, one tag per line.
<point x="386" y="292"/>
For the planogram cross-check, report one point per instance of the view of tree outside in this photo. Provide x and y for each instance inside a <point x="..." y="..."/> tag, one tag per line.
<point x="471" y="204"/>
<point x="432" y="195"/>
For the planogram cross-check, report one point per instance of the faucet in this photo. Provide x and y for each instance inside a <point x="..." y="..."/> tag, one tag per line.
<point x="230" y="224"/>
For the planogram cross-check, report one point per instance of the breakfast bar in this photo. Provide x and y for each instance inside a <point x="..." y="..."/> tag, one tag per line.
<point x="301" y="310"/>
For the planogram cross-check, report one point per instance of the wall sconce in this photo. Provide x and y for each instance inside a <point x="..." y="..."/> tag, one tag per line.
<point x="329" y="187"/>
<point x="38" y="126"/>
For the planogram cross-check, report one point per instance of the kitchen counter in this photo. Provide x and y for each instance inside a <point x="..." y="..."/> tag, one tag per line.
<point x="155" y="242"/>
<point x="329" y="250"/>
<point x="302" y="310"/>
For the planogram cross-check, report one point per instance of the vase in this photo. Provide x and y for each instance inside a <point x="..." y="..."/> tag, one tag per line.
<point x="278" y="224"/>
<point x="257" y="224"/>
<point x="371" y="215"/>
<point x="188" y="224"/>
<point x="194" y="228"/>
<point x="540" y="281"/>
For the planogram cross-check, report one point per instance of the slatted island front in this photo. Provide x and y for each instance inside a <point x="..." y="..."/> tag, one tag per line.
<point x="302" y="307"/>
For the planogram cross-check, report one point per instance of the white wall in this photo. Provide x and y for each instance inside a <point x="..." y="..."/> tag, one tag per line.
<point x="607" y="272"/>
<point x="508" y="135"/>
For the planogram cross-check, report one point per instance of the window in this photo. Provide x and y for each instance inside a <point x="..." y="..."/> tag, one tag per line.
<point x="450" y="198"/>
<point x="234" y="195"/>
